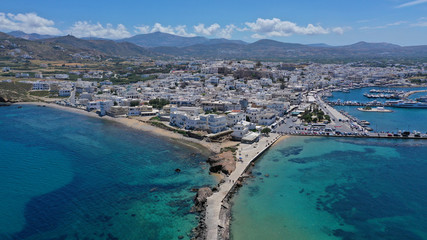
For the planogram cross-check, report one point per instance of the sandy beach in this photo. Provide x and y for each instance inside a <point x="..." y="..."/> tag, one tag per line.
<point x="142" y="126"/>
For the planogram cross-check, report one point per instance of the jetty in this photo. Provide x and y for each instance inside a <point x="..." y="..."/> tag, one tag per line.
<point x="215" y="220"/>
<point x="406" y="95"/>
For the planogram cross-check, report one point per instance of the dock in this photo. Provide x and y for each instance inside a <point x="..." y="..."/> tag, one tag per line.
<point x="248" y="154"/>
<point x="406" y="95"/>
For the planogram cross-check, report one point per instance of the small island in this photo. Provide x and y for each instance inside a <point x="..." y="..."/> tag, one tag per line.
<point x="377" y="109"/>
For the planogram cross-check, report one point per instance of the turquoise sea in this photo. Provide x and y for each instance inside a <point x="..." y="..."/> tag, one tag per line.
<point x="68" y="176"/>
<point x="400" y="119"/>
<point x="330" y="188"/>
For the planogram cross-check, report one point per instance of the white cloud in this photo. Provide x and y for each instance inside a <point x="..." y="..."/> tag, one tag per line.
<point x="87" y="29"/>
<point x="180" y="30"/>
<point x="142" y="29"/>
<point x="212" y="29"/>
<point x="258" y="36"/>
<point x="420" y="24"/>
<point x="28" y="23"/>
<point x="277" y="28"/>
<point x="412" y="3"/>
<point x="384" y="26"/>
<point x="227" y="31"/>
<point x="215" y="30"/>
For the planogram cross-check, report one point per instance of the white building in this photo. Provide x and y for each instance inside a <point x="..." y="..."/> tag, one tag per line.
<point x="41" y="86"/>
<point x="211" y="122"/>
<point x="235" y="117"/>
<point x="62" y="76"/>
<point x="239" y="130"/>
<point x="215" y="123"/>
<point x="253" y="113"/>
<point x="266" y="118"/>
<point x="134" y="111"/>
<point x="64" y="92"/>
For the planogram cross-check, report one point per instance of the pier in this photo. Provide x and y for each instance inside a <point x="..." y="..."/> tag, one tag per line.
<point x="218" y="201"/>
<point x="353" y="103"/>
<point x="406" y="95"/>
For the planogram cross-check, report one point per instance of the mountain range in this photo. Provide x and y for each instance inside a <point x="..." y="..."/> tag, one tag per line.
<point x="167" y="45"/>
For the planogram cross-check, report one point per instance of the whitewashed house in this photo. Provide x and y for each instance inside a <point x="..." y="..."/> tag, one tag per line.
<point x="266" y="118"/>
<point x="235" y="117"/>
<point x="41" y="86"/>
<point x="64" y="92"/>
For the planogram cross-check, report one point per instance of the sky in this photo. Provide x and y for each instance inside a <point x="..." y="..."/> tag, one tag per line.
<point x="334" y="22"/>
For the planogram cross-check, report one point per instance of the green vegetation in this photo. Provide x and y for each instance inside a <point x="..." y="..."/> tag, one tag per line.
<point x="134" y="103"/>
<point x="40" y="93"/>
<point x="15" y="91"/>
<point x="417" y="81"/>
<point x="266" y="130"/>
<point x="158" y="103"/>
<point x="156" y="118"/>
<point x="232" y="149"/>
<point x="211" y="112"/>
<point x="314" y="114"/>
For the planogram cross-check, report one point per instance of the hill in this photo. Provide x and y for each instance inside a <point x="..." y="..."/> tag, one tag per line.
<point x="159" y="39"/>
<point x="105" y="47"/>
<point x="168" y="45"/>
<point x="67" y="48"/>
<point x="273" y="50"/>
<point x="29" y="36"/>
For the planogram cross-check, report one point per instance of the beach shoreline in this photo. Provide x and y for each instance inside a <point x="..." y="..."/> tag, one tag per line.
<point x="133" y="123"/>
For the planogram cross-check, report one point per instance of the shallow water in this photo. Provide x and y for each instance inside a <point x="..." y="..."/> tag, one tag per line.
<point x="328" y="188"/>
<point x="67" y="176"/>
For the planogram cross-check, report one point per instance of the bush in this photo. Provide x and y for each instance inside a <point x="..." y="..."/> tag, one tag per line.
<point x="159" y="103"/>
<point x="266" y="130"/>
<point x="134" y="103"/>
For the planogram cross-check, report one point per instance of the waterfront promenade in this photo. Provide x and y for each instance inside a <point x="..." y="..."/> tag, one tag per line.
<point x="248" y="153"/>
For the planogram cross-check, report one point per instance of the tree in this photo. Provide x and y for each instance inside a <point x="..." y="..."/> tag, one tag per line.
<point x="158" y="103"/>
<point x="266" y="130"/>
<point x="134" y="103"/>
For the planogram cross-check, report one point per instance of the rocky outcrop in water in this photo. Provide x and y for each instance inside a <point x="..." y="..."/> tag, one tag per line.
<point x="223" y="162"/>
<point x="199" y="233"/>
<point x="200" y="199"/>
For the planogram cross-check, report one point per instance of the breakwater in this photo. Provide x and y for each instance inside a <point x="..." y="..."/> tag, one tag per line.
<point x="217" y="214"/>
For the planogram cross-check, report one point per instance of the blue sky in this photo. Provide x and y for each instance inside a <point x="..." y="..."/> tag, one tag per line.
<point x="335" y="22"/>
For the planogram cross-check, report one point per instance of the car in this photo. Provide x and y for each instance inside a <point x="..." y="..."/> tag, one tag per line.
<point x="389" y="135"/>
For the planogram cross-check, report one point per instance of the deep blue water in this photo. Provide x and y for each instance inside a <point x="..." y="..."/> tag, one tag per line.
<point x="67" y="176"/>
<point x="357" y="94"/>
<point x="400" y="119"/>
<point x="331" y="188"/>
